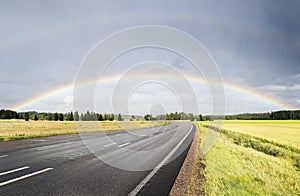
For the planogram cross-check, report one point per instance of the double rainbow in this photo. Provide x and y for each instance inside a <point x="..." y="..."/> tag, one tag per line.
<point x="229" y="86"/>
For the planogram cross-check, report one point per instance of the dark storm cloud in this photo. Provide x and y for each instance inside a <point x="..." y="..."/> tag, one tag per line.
<point x="258" y="41"/>
<point x="255" y="43"/>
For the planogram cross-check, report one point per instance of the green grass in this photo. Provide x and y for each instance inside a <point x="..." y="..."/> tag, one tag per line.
<point x="20" y="129"/>
<point x="245" y="164"/>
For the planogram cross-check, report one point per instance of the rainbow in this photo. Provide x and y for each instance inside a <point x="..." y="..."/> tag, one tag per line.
<point x="183" y="17"/>
<point x="114" y="78"/>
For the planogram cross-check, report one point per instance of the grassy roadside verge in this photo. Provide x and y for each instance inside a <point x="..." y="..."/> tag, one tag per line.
<point x="241" y="164"/>
<point x="20" y="129"/>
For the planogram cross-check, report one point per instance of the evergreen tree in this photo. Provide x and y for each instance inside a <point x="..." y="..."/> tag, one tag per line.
<point x="70" y="116"/>
<point x="61" y="117"/>
<point x="120" y="117"/>
<point x="56" y="116"/>
<point x="200" y="117"/>
<point x="50" y="116"/>
<point x="176" y="116"/>
<point x="87" y="116"/>
<point x="112" y="117"/>
<point x="100" y="117"/>
<point x="35" y="117"/>
<point x="93" y="116"/>
<point x="82" y="117"/>
<point x="106" y="117"/>
<point x="26" y="116"/>
<point x="76" y="116"/>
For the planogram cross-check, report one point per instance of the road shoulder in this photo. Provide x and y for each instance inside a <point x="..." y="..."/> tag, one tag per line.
<point x="189" y="179"/>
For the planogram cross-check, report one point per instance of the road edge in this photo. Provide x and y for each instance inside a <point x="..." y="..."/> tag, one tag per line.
<point x="141" y="185"/>
<point x="188" y="170"/>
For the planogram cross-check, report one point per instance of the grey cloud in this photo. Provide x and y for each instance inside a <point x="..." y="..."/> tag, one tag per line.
<point x="256" y="43"/>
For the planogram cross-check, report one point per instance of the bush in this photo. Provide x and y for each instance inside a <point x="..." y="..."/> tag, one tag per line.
<point x="297" y="162"/>
<point x="250" y="142"/>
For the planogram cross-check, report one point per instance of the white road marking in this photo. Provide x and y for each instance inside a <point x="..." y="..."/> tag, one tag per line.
<point x="38" y="140"/>
<point x="23" y="177"/>
<point x="1" y="156"/>
<point x="163" y="162"/>
<point x="14" y="170"/>
<point x="122" y="145"/>
<point x="109" y="145"/>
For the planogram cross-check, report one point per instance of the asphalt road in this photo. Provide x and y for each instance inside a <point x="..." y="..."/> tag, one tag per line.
<point x="140" y="162"/>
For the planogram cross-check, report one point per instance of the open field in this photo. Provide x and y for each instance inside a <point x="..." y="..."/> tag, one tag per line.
<point x="280" y="131"/>
<point x="246" y="161"/>
<point x="20" y="129"/>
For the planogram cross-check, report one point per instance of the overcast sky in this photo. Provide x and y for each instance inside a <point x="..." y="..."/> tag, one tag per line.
<point x="256" y="45"/>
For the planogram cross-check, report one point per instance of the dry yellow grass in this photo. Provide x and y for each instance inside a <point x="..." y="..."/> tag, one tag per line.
<point x="20" y="129"/>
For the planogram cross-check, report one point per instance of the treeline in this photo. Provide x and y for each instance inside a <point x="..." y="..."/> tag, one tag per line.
<point x="93" y="116"/>
<point x="70" y="116"/>
<point x="8" y="114"/>
<point x="277" y="115"/>
<point x="176" y="116"/>
<point x="33" y="115"/>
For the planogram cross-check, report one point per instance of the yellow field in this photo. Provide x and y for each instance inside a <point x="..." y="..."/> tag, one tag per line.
<point x="20" y="129"/>
<point x="281" y="131"/>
